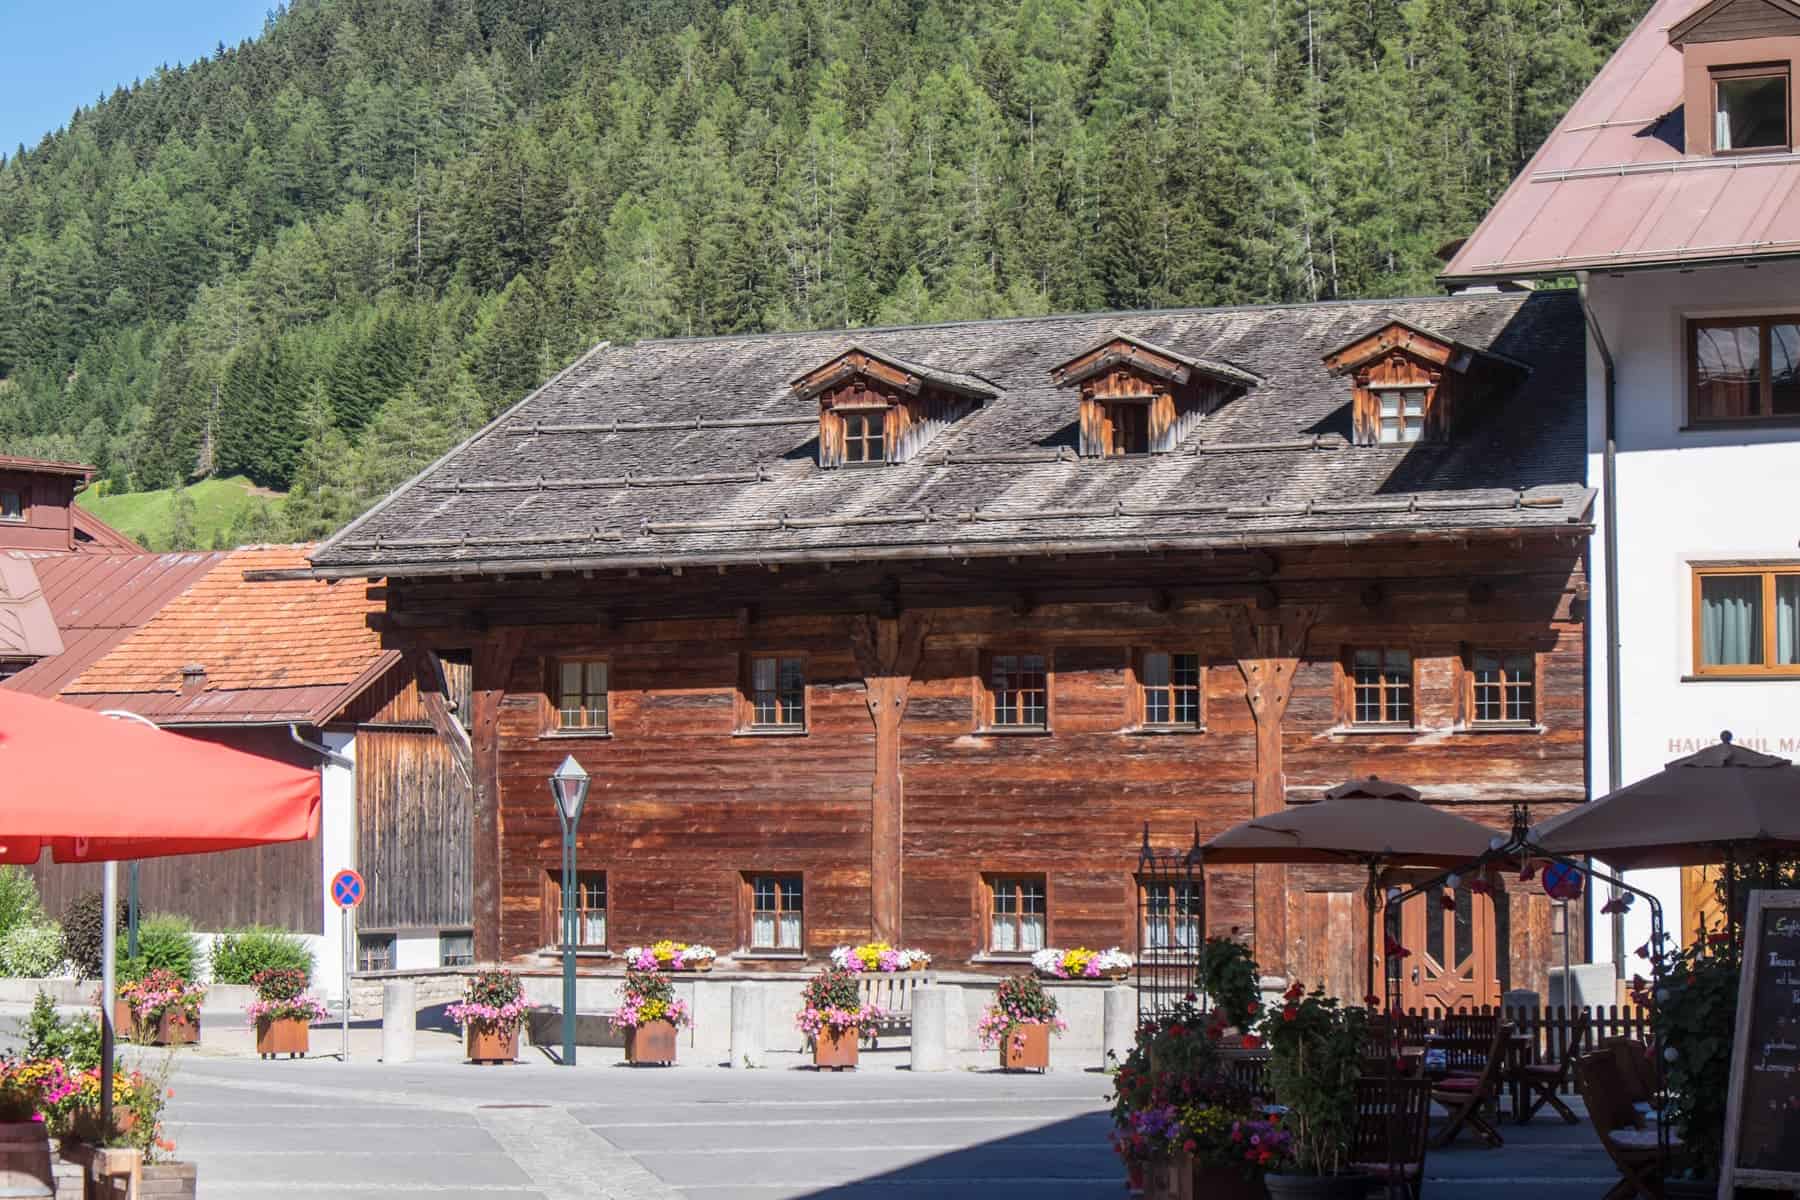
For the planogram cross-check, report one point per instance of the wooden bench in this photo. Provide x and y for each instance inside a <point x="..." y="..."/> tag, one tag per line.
<point x="891" y="992"/>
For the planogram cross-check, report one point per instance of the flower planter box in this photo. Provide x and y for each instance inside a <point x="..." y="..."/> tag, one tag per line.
<point x="835" y="1051"/>
<point x="1223" y="1183"/>
<point x="705" y="964"/>
<point x="110" y="1174"/>
<point x="1170" y="1178"/>
<point x="488" y="1045"/>
<point x="291" y="1036"/>
<point x="1317" y="1187"/>
<point x="124" y="1024"/>
<point x="1028" y="1049"/>
<point x="176" y="1029"/>
<point x="25" y="1159"/>
<point x="651" y="1042"/>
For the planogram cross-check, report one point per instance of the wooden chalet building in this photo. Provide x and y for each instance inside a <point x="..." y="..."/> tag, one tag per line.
<point x="907" y="633"/>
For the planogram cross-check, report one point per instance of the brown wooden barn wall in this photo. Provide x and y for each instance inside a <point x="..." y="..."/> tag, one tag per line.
<point x="415" y="838"/>
<point x="682" y="806"/>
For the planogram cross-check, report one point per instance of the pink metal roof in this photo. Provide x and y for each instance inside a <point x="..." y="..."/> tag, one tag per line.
<point x="1611" y="186"/>
<point x="97" y="600"/>
<point x="27" y="630"/>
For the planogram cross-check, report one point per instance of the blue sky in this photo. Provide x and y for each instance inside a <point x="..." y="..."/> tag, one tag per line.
<point x="57" y="55"/>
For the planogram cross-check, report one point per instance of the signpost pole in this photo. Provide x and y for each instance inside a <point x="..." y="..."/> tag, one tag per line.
<point x="346" y="893"/>
<point x="345" y="914"/>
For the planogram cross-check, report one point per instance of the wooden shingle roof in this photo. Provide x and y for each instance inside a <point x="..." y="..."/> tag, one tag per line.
<point x="696" y="451"/>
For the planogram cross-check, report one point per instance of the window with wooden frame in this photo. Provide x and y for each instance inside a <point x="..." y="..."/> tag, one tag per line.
<point x="590" y="909"/>
<point x="581" y="689"/>
<point x="1018" y="914"/>
<point x="777" y="913"/>
<point x="1750" y="108"/>
<point x="1172" y="912"/>
<point x="1380" y="682"/>
<point x="1400" y="414"/>
<point x="1747" y="619"/>
<point x="12" y="504"/>
<point x="1017" y="691"/>
<point x="1744" y="369"/>
<point x="1170" y="688"/>
<point x="375" y="952"/>
<point x="1127" y="427"/>
<point x="456" y="948"/>
<point x="774" y="693"/>
<point x="1502" y="687"/>
<point x="865" y="434"/>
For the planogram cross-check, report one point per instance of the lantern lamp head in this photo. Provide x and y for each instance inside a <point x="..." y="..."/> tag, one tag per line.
<point x="569" y="784"/>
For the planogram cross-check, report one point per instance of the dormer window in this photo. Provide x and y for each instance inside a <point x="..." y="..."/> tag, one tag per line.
<point x="1750" y="108"/>
<point x="1140" y="398"/>
<point x="1408" y="383"/>
<point x="876" y="408"/>
<point x="1401" y="414"/>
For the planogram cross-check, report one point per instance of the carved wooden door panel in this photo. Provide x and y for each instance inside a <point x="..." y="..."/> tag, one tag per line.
<point x="1452" y="962"/>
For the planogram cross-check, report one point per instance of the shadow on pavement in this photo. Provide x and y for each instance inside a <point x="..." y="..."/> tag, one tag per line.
<point x="1062" y="1160"/>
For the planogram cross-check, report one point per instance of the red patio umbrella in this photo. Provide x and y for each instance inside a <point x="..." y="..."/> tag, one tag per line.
<point x="94" y="789"/>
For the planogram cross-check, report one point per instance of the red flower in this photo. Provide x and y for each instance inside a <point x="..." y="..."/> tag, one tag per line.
<point x="1372" y="1000"/>
<point x="1528" y="870"/>
<point x="1718" y="939"/>
<point x="1188" y="1145"/>
<point x="1253" y="1008"/>
<point x="1480" y="887"/>
<point x="1290" y="1014"/>
<point x="1190" y="997"/>
<point x="1295" y="991"/>
<point x="1177" y="1030"/>
<point x="1643" y="951"/>
<point x="1252" y="1042"/>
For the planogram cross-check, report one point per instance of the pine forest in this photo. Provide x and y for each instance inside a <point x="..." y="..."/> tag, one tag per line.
<point x="320" y="258"/>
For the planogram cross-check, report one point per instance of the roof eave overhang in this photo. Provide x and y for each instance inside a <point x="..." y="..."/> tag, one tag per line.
<point x="853" y="555"/>
<point x="1603" y="266"/>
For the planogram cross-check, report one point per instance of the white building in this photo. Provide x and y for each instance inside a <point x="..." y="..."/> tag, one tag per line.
<point x="1671" y="192"/>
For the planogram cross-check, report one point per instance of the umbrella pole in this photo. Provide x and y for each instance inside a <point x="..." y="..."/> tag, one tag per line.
<point x="1369" y="894"/>
<point x="109" y="949"/>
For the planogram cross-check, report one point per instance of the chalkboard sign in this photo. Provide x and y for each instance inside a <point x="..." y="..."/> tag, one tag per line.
<point x="1762" y="1117"/>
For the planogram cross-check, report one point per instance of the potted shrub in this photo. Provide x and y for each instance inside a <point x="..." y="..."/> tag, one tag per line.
<point x="1695" y="1017"/>
<point x="1229" y="977"/>
<point x="666" y="955"/>
<point x="878" y="956"/>
<point x="490" y="1012"/>
<point x="1019" y="1022"/>
<point x="650" y="1014"/>
<point x="283" y="1013"/>
<point x="1082" y="963"/>
<point x="832" y="1014"/>
<point x="164" y="1008"/>
<point x="24" y="1139"/>
<point x="1315" y="1057"/>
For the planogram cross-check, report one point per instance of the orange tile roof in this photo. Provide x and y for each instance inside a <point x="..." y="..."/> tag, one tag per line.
<point x="249" y="637"/>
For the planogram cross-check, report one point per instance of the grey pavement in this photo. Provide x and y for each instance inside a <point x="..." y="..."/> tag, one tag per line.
<point x="434" y="1130"/>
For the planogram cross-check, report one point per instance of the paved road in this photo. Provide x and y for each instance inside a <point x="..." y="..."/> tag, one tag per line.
<point x="438" y="1130"/>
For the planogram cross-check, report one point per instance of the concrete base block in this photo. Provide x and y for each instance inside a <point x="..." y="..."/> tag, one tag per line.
<point x="931" y="1028"/>
<point x="748" y="1003"/>
<point x="399" y="1020"/>
<point x="1589" y="984"/>
<point x="1521" y="1000"/>
<point x="1119" y="1031"/>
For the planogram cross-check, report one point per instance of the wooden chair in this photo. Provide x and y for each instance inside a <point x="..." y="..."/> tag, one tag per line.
<point x="1393" y="1121"/>
<point x="1542" y="1081"/>
<point x="1464" y="1096"/>
<point x="1632" y="1148"/>
<point x="1465" y="1038"/>
<point x="1637" y="1074"/>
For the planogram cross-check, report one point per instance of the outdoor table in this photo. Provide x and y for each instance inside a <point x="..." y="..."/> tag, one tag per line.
<point x="1518" y="1053"/>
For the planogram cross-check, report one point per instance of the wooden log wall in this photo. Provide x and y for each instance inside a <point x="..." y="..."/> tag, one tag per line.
<point x="415" y="831"/>
<point x="684" y="805"/>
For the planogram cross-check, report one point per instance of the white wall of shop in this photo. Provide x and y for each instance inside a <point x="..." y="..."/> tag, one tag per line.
<point x="1684" y="496"/>
<point x="337" y="844"/>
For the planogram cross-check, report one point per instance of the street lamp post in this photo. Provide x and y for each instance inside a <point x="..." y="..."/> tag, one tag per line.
<point x="569" y="784"/>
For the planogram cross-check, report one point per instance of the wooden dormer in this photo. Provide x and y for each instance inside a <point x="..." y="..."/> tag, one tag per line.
<point x="875" y="408"/>
<point x="1138" y="398"/>
<point x="1408" y="383"/>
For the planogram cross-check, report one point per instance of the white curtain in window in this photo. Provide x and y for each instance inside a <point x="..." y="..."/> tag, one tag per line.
<point x="1000" y="934"/>
<point x="1787" y="620"/>
<point x="593" y="928"/>
<point x="762" y="929"/>
<point x="790" y="931"/>
<point x="1731" y="620"/>
<point x="1031" y="932"/>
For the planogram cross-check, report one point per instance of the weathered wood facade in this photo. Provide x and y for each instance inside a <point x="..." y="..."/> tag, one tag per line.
<point x="910" y="701"/>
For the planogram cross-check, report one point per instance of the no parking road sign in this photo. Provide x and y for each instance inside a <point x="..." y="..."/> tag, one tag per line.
<point x="347" y="888"/>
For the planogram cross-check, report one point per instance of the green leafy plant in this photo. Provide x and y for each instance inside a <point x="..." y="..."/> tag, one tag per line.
<point x="166" y="942"/>
<point x="1315" y="1055"/>
<point x="832" y="1003"/>
<point x="83" y="928"/>
<point x="239" y="955"/>
<point x="19" y="902"/>
<point x="31" y="951"/>
<point x="74" y="1040"/>
<point x="1694" y="1015"/>
<point x="1229" y="977"/>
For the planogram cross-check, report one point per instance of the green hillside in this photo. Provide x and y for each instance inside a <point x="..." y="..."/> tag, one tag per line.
<point x="319" y="258"/>
<point x="215" y="513"/>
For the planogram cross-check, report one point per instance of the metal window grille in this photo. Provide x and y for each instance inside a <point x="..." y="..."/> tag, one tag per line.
<point x="1381" y="685"/>
<point x="1172" y="918"/>
<point x="581" y="695"/>
<point x="1505" y="688"/>
<point x="777" y="913"/>
<point x="1018" y="915"/>
<point x="1171" y="689"/>
<point x="1021" y="693"/>
<point x="778" y="692"/>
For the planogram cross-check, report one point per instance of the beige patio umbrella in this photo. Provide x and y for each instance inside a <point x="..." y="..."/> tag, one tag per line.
<point x="1721" y="805"/>
<point x="1372" y="822"/>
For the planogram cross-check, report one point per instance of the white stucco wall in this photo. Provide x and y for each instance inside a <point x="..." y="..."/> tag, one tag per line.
<point x="1683" y="497"/>
<point x="337" y="843"/>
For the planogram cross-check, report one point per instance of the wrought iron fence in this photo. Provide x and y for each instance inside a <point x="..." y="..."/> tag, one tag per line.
<point x="1171" y="927"/>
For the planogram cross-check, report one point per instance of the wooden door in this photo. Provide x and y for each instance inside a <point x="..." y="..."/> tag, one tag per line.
<point x="1452" y="964"/>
